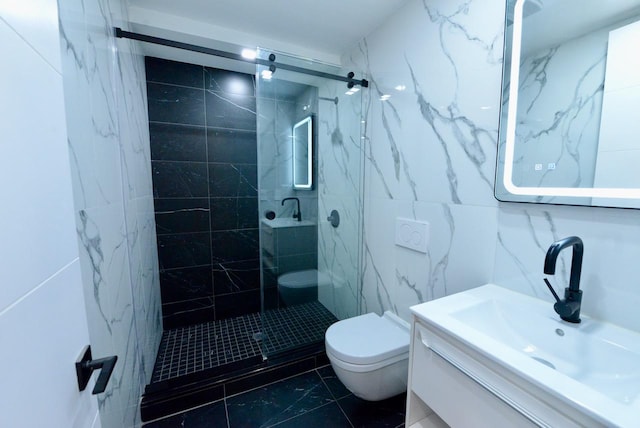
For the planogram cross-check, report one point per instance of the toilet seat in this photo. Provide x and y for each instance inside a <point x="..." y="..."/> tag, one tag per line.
<point x="299" y="279"/>
<point x="369" y="340"/>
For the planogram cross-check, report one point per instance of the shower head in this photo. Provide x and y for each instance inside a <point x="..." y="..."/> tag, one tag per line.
<point x="333" y="100"/>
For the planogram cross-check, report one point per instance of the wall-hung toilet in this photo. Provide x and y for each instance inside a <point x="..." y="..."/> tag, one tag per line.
<point x="300" y="286"/>
<point x="370" y="354"/>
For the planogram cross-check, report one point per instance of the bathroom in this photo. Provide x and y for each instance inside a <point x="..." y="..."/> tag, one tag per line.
<point x="430" y="136"/>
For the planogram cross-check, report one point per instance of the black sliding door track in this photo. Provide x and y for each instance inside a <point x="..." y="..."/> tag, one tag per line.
<point x="120" y="33"/>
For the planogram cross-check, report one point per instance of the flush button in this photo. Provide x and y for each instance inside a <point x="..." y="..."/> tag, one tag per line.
<point x="412" y="234"/>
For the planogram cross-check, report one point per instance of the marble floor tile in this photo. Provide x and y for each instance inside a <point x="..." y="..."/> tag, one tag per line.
<point x="313" y="399"/>
<point x="275" y="403"/>
<point x="329" y="415"/>
<point x="211" y="415"/>
<point x="337" y="389"/>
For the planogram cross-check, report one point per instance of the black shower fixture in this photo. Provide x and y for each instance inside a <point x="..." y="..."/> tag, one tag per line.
<point x="334" y="100"/>
<point x="272" y="67"/>
<point x="120" y="33"/>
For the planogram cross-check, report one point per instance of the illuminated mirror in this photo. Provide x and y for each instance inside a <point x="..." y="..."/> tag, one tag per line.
<point x="303" y="154"/>
<point x="570" y="127"/>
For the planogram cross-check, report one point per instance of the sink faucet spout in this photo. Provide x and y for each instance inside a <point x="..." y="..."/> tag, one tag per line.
<point x="296" y="214"/>
<point x="569" y="307"/>
<point x="576" y="260"/>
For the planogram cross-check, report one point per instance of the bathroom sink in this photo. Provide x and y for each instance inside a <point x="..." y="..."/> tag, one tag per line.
<point x="592" y="367"/>
<point x="279" y="222"/>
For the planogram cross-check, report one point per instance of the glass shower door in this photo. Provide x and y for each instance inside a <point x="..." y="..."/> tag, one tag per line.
<point x="309" y="165"/>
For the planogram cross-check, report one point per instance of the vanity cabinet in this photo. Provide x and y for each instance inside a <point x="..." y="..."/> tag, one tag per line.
<point x="288" y="246"/>
<point x="441" y="395"/>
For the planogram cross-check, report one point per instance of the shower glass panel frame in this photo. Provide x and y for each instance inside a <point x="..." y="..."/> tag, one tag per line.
<point x="311" y="249"/>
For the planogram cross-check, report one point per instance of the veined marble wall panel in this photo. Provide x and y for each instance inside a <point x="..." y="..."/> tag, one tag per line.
<point x="142" y="343"/>
<point x="515" y="236"/>
<point x="437" y="123"/>
<point x="105" y="95"/>
<point x="284" y="119"/>
<point x="460" y="254"/>
<point x="611" y="250"/>
<point x="435" y="70"/>
<point x="277" y="115"/>
<point x="339" y="164"/>
<point x="268" y="154"/>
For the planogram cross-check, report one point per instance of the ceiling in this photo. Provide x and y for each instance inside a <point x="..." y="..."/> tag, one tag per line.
<point x="326" y="26"/>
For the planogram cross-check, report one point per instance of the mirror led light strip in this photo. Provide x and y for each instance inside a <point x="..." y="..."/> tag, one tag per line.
<point x="511" y="135"/>
<point x="306" y="121"/>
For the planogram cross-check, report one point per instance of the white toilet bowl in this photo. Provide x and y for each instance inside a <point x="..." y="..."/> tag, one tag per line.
<point x="370" y="354"/>
<point x="299" y="287"/>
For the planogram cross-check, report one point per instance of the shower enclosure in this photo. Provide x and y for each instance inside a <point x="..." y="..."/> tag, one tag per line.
<point x="309" y="165"/>
<point x="258" y="204"/>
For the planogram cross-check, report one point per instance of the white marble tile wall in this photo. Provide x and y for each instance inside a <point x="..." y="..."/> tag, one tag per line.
<point x="277" y="115"/>
<point x="43" y="325"/>
<point x="339" y="183"/>
<point x="430" y="155"/>
<point x="611" y="248"/>
<point x="435" y="71"/>
<point x="106" y="106"/>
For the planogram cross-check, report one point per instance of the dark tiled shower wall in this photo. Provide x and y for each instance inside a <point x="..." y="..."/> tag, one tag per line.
<point x="202" y="125"/>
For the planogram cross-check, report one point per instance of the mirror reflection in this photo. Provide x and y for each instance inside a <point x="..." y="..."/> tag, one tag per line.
<point x="570" y="128"/>
<point x="303" y="154"/>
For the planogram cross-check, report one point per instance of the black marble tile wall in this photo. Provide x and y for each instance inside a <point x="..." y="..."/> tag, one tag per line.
<point x="232" y="146"/>
<point x="234" y="304"/>
<point x="233" y="245"/>
<point x="174" y="73"/>
<point x="176" y="104"/>
<point x="186" y="283"/>
<point x="202" y="124"/>
<point x="182" y="215"/>
<point x="178" y="142"/>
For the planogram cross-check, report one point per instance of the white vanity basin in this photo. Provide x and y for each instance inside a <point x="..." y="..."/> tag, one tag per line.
<point x="280" y="222"/>
<point x="510" y="343"/>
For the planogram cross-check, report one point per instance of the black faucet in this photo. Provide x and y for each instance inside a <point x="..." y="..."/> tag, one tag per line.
<point x="297" y="214"/>
<point x="569" y="307"/>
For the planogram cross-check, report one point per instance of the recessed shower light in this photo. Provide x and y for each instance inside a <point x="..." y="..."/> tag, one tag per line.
<point x="249" y="53"/>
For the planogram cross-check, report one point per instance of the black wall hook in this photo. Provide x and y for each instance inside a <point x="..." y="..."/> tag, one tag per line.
<point x="85" y="366"/>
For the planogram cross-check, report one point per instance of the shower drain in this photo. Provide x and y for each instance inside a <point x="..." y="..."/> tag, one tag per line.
<point x="259" y="336"/>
